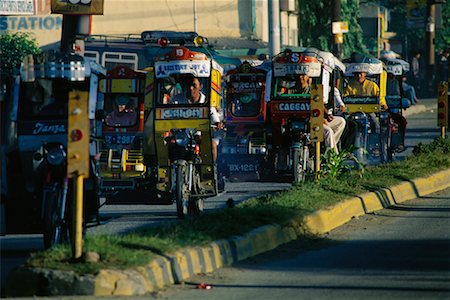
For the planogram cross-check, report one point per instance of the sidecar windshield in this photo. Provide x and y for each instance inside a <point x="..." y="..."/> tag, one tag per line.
<point x="289" y="87"/>
<point x="370" y="88"/>
<point x="43" y="99"/>
<point x="246" y="104"/>
<point x="182" y="89"/>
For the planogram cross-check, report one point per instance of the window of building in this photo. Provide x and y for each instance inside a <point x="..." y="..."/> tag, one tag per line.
<point x="110" y="60"/>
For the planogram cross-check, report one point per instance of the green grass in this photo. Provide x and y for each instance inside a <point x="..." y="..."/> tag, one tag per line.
<point x="141" y="247"/>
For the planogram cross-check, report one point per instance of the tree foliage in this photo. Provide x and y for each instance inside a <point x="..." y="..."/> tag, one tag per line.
<point x="414" y="38"/>
<point x="13" y="48"/>
<point x="315" y="25"/>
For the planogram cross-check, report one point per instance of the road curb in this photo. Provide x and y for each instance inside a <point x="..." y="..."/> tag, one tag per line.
<point x="183" y="264"/>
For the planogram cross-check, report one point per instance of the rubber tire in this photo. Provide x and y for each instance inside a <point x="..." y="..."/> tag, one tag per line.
<point x="50" y="226"/>
<point x="297" y="169"/>
<point x="182" y="196"/>
<point x="196" y="205"/>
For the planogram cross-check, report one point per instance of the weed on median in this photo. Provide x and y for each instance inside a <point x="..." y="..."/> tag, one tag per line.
<point x="141" y="247"/>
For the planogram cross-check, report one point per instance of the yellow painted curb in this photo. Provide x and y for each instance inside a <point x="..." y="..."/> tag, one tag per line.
<point x="327" y="219"/>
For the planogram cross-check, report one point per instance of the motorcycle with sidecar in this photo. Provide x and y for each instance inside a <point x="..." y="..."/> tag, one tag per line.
<point x="244" y="147"/>
<point x="123" y="175"/>
<point x="368" y="109"/>
<point x="39" y="194"/>
<point x="396" y="101"/>
<point x="290" y="150"/>
<point x="181" y="132"/>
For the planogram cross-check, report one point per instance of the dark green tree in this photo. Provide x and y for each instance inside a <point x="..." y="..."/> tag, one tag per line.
<point x="412" y="37"/>
<point x="13" y="48"/>
<point x="315" y="25"/>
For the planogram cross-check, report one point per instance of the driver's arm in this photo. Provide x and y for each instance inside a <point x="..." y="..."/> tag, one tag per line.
<point x="348" y="91"/>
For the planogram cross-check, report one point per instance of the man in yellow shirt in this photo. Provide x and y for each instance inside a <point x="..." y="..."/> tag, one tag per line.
<point x="360" y="86"/>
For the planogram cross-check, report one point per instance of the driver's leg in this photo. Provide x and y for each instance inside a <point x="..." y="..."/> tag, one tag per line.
<point x="214" y="144"/>
<point x="338" y="126"/>
<point x="328" y="136"/>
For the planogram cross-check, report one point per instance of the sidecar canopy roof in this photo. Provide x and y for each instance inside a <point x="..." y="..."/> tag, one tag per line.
<point x="362" y="63"/>
<point x="181" y="60"/>
<point x="70" y="67"/>
<point x="396" y="66"/>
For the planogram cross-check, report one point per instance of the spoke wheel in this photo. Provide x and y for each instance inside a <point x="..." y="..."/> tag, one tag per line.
<point x="386" y="150"/>
<point x="297" y="166"/>
<point x="55" y="225"/>
<point x="182" y="192"/>
<point x="196" y="205"/>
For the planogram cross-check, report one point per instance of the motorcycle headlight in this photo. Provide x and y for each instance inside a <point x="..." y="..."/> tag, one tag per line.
<point x="298" y="126"/>
<point x="181" y="138"/>
<point x="56" y="156"/>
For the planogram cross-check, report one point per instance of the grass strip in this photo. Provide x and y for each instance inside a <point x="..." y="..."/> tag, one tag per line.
<point x="140" y="247"/>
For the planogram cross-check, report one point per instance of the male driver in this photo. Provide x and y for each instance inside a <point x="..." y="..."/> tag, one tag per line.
<point x="195" y="96"/>
<point x="122" y="115"/>
<point x="361" y="86"/>
<point x="333" y="126"/>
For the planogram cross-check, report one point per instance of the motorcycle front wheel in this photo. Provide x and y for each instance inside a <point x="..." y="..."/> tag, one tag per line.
<point x="182" y="191"/>
<point x="297" y="166"/>
<point x="56" y="226"/>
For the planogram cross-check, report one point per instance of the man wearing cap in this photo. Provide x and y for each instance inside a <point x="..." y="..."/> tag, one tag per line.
<point x="122" y="115"/>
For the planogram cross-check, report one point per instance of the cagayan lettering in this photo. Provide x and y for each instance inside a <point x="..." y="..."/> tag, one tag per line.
<point x="294" y="106"/>
<point x="40" y="128"/>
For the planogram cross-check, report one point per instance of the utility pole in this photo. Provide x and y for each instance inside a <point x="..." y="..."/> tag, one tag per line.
<point x="337" y="37"/>
<point x="429" y="49"/>
<point x="195" y="15"/>
<point x="73" y="26"/>
<point x="274" y="27"/>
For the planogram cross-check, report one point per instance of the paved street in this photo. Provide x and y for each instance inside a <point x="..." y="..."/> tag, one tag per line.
<point x="398" y="253"/>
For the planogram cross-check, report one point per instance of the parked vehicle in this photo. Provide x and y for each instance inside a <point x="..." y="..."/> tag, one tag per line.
<point x="369" y="110"/>
<point x="39" y="193"/>
<point x="396" y="101"/>
<point x="182" y="129"/>
<point x="244" y="147"/>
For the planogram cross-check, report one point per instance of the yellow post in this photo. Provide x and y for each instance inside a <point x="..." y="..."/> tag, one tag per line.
<point x="78" y="161"/>
<point x="443" y="132"/>
<point x="77" y="245"/>
<point x="317" y="162"/>
<point x="316" y="122"/>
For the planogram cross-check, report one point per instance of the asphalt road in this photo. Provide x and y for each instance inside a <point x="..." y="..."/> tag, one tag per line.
<point x="398" y="253"/>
